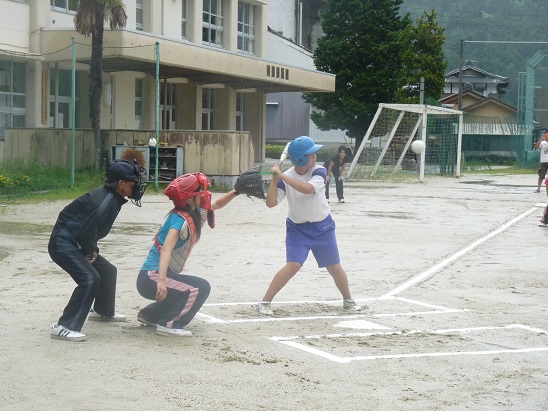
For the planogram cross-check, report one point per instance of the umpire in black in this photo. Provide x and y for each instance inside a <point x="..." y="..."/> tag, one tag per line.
<point x="73" y="246"/>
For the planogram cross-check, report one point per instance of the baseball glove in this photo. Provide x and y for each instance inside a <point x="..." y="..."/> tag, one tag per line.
<point x="251" y="183"/>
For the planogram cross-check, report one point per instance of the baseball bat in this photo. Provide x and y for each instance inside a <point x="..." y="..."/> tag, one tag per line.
<point x="348" y="144"/>
<point x="283" y="156"/>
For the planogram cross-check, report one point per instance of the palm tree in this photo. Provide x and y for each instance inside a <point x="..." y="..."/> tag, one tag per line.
<point x="90" y="20"/>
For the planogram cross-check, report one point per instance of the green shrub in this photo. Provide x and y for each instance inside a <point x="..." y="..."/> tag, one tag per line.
<point x="273" y="150"/>
<point x="21" y="180"/>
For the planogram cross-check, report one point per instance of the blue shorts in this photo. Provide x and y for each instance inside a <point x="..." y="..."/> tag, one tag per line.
<point x="318" y="237"/>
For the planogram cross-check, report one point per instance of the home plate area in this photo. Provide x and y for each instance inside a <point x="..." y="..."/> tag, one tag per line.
<point x="371" y="335"/>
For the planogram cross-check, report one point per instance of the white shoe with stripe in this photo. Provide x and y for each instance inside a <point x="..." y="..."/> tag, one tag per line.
<point x="63" y="333"/>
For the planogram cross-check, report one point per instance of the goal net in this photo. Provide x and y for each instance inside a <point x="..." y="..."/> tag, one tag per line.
<point x="385" y="149"/>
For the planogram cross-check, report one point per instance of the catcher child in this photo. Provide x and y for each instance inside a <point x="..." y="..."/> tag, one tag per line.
<point x="309" y="226"/>
<point x="178" y="296"/>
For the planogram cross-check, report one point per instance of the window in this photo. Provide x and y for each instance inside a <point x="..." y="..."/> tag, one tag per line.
<point x="240" y="110"/>
<point x="168" y="106"/>
<point x="208" y="106"/>
<point x="246" y="29"/>
<point x="212" y="23"/>
<point x="139" y="17"/>
<point x="70" y="6"/>
<point x="184" y="19"/>
<point x="12" y="95"/>
<point x="138" y="104"/>
<point x="60" y="99"/>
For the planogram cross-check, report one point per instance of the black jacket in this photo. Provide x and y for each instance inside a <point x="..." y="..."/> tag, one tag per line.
<point x="86" y="220"/>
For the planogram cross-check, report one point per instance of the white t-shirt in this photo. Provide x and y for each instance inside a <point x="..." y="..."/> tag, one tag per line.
<point x="305" y="207"/>
<point x="543" y="147"/>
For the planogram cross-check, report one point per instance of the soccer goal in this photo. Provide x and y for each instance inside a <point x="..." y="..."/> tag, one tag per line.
<point x="385" y="147"/>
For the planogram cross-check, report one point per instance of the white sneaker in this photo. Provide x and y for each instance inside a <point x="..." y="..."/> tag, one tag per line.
<point x="341" y="200"/>
<point x="93" y="316"/>
<point x="542" y="224"/>
<point x="263" y="307"/>
<point x="181" y="332"/>
<point x="63" y="333"/>
<point x="350" y="304"/>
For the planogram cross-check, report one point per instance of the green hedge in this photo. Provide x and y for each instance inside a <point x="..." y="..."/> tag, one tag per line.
<point x="275" y="151"/>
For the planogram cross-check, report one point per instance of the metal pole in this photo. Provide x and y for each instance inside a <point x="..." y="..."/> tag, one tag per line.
<point x="461" y="59"/>
<point x="72" y="112"/>
<point x="422" y="160"/>
<point x="157" y="116"/>
<point x="422" y="156"/>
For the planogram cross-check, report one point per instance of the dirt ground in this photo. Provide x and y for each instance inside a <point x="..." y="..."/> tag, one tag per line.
<point x="451" y="270"/>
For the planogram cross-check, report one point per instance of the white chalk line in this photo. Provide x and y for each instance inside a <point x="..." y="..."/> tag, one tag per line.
<point x="436" y="309"/>
<point x="455" y="256"/>
<point x="290" y="341"/>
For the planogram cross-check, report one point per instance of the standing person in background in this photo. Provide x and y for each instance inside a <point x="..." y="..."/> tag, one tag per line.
<point x="544" y="220"/>
<point x="73" y="246"/>
<point x="542" y="145"/>
<point x="335" y="166"/>
<point x="309" y="225"/>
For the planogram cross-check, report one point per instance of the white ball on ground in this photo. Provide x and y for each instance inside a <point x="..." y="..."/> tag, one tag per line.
<point x="418" y="146"/>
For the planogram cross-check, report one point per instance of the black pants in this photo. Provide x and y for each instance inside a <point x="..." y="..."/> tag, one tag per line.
<point x="95" y="281"/>
<point x="338" y="186"/>
<point x="185" y="296"/>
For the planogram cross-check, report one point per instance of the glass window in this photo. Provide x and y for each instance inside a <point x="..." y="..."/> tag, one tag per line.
<point x="139" y="19"/>
<point x="246" y="29"/>
<point x="4" y="120"/>
<point x="240" y="110"/>
<point x="60" y="91"/>
<point x="212" y="23"/>
<point x="18" y="121"/>
<point x="12" y="95"/>
<point x="138" y="103"/>
<point x="208" y="108"/>
<point x="70" y="6"/>
<point x="184" y="19"/>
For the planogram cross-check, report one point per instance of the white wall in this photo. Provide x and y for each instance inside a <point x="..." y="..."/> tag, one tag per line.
<point x="284" y="52"/>
<point x="281" y="17"/>
<point x="14" y="26"/>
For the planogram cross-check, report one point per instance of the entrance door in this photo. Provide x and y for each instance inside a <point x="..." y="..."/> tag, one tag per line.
<point x="168" y="105"/>
<point x="169" y="121"/>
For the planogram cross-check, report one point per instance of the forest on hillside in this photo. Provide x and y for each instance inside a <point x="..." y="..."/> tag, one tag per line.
<point x="493" y="21"/>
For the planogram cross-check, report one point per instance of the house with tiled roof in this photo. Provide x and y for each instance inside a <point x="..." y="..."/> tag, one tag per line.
<point x="491" y="127"/>
<point x="475" y="79"/>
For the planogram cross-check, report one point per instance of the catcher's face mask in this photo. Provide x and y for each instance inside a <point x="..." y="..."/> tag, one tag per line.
<point x="139" y="186"/>
<point x="128" y="171"/>
<point x="189" y="185"/>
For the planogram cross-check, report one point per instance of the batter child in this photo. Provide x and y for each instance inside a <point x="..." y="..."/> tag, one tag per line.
<point x="309" y="226"/>
<point x="178" y="296"/>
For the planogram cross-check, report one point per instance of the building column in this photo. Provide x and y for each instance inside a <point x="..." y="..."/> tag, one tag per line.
<point x="256" y="123"/>
<point x="195" y="9"/>
<point x="225" y="109"/>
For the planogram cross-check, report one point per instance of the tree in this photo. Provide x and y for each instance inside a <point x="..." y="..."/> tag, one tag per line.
<point x="90" y="20"/>
<point x="361" y="47"/>
<point x="422" y="56"/>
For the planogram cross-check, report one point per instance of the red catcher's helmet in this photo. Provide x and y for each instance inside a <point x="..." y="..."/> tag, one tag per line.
<point x="189" y="185"/>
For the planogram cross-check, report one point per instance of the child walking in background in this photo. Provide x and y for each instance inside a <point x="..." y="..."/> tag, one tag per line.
<point x="309" y="226"/>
